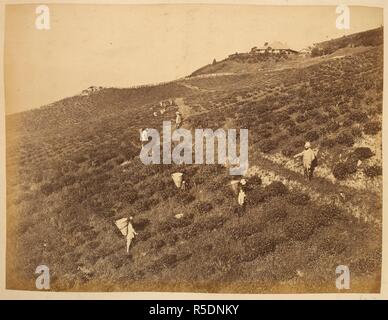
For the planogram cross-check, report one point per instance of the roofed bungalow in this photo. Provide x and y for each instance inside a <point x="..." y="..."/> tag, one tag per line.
<point x="275" y="48"/>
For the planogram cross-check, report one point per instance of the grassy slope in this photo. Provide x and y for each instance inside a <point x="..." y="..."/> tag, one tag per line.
<point x="66" y="187"/>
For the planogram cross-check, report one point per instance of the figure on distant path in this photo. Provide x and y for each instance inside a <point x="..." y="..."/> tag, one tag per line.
<point x="178" y="120"/>
<point x="241" y="197"/>
<point x="143" y="136"/>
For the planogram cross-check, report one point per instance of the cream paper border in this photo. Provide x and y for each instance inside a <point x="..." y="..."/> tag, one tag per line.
<point x="48" y="295"/>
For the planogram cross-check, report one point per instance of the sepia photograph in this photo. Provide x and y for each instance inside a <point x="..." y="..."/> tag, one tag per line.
<point x="198" y="148"/>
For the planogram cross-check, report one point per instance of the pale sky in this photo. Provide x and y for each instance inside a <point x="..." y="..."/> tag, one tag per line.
<point x="125" y="45"/>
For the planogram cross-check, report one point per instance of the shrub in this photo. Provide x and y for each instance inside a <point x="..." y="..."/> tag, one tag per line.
<point x="185" y="198"/>
<point x="332" y="126"/>
<point x="256" y="196"/>
<point x="276" y="188"/>
<point x="320" y="118"/>
<point x="267" y="145"/>
<point x="140" y="223"/>
<point x="209" y="224"/>
<point x="332" y="113"/>
<point x="174" y="223"/>
<point x="340" y="171"/>
<point x="299" y="229"/>
<point x="358" y="116"/>
<point x="344" y="169"/>
<point x="257" y="245"/>
<point x="333" y="245"/>
<point x="245" y="230"/>
<point x="298" y="143"/>
<point x="280" y="117"/>
<point x="143" y="236"/>
<point x="277" y="212"/>
<point x="49" y="188"/>
<point x="129" y="195"/>
<point x="356" y="132"/>
<point x="79" y="158"/>
<point x="345" y="138"/>
<point x="348" y="122"/>
<point x="168" y="260"/>
<point x="292" y="109"/>
<point x="362" y="153"/>
<point x="298" y="199"/>
<point x="301" y="118"/>
<point x="326" y="214"/>
<point x="253" y="182"/>
<point x="328" y="143"/>
<point x="204" y="207"/>
<point x="264" y="134"/>
<point x="289" y="123"/>
<point x="373" y="171"/>
<point x="144" y="204"/>
<point x="288" y="151"/>
<point x="312" y="135"/>
<point x="372" y="127"/>
<point x="157" y="243"/>
<point x="294" y="130"/>
<point x="312" y="113"/>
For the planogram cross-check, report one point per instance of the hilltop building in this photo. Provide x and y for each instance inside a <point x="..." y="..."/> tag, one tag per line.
<point x="274" y="48"/>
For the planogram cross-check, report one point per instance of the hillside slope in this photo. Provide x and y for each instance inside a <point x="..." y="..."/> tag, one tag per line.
<point x="73" y="169"/>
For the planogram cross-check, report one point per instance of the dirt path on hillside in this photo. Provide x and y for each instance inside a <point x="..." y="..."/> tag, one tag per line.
<point x="190" y="86"/>
<point x="183" y="108"/>
<point x="186" y="110"/>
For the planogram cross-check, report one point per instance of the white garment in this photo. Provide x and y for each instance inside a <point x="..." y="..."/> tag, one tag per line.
<point x="130" y="235"/>
<point x="144" y="135"/>
<point x="308" y="157"/>
<point x="241" y="197"/>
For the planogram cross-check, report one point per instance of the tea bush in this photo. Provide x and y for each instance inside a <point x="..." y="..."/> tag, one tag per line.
<point x="298" y="198"/>
<point x="267" y="145"/>
<point x="373" y="171"/>
<point x="345" y="138"/>
<point x="343" y="170"/>
<point x="311" y="136"/>
<point x="275" y="212"/>
<point x="299" y="229"/>
<point x="204" y="207"/>
<point x="276" y="188"/>
<point x="372" y="128"/>
<point x="358" y="116"/>
<point x="258" y="245"/>
<point x="326" y="214"/>
<point x="328" y="142"/>
<point x="362" y="153"/>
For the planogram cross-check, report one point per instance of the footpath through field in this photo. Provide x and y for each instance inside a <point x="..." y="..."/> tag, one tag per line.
<point x="185" y="109"/>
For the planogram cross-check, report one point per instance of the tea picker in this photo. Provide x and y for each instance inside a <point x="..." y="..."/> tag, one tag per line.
<point x="178" y="120"/>
<point x="242" y="194"/>
<point x="177" y="177"/>
<point x="127" y="230"/>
